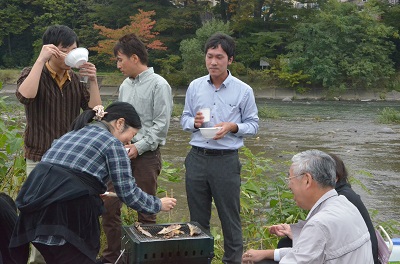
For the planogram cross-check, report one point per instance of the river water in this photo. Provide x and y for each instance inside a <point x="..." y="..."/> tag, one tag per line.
<point x="348" y="129"/>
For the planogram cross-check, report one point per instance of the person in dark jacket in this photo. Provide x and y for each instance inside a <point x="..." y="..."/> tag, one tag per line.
<point x="8" y="217"/>
<point x="60" y="202"/>
<point x="343" y="187"/>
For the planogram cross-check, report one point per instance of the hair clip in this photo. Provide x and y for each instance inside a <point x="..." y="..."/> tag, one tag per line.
<point x="99" y="109"/>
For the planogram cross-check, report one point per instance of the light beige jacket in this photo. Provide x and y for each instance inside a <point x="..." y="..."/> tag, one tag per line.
<point x="333" y="233"/>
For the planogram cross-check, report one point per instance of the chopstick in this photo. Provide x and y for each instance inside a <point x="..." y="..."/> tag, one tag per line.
<point x="172" y="193"/>
<point x="172" y="196"/>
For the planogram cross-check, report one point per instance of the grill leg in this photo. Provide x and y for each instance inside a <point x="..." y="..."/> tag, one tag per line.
<point x="120" y="255"/>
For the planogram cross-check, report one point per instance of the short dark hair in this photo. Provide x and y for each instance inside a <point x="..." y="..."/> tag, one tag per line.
<point x="60" y="34"/>
<point x="130" y="44"/>
<point x="227" y="44"/>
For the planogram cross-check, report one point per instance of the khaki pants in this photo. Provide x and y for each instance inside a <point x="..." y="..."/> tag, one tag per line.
<point x="35" y="256"/>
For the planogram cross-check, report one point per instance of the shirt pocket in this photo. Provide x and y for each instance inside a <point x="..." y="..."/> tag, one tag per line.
<point x="229" y="113"/>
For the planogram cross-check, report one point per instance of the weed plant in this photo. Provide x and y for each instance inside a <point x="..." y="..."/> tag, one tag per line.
<point x="265" y="112"/>
<point x="12" y="162"/>
<point x="389" y="115"/>
<point x="9" y="76"/>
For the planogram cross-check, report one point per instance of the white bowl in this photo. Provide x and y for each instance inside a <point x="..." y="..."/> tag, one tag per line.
<point x="209" y="132"/>
<point x="77" y="57"/>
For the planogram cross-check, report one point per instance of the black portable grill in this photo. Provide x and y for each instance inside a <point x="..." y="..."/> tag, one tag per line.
<point x="181" y="249"/>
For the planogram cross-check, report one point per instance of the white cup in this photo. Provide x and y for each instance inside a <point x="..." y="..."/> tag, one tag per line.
<point x="206" y="113"/>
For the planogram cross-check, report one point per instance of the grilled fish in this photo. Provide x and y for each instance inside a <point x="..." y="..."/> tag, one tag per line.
<point x="141" y="230"/>
<point x="194" y="230"/>
<point x="168" y="229"/>
<point x="173" y="233"/>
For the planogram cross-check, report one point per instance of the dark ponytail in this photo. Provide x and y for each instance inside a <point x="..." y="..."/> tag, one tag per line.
<point x="82" y="120"/>
<point x="114" y="111"/>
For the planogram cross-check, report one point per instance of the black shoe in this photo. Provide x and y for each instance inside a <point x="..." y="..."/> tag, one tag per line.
<point x="103" y="261"/>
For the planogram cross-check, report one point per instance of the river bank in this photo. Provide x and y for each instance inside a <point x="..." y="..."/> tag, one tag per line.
<point x="346" y="128"/>
<point x="272" y="93"/>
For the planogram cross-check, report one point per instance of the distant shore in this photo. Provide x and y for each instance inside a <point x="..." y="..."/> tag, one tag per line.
<point x="273" y="93"/>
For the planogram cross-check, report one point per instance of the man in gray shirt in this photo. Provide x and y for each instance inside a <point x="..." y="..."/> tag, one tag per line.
<point x="151" y="96"/>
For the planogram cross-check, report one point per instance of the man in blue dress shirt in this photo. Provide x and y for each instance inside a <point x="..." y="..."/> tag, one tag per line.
<point x="212" y="165"/>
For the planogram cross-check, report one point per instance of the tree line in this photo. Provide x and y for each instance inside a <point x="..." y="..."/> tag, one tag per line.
<point x="306" y="44"/>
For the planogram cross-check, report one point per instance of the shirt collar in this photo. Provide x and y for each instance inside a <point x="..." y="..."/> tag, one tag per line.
<point x="224" y="83"/>
<point x="142" y="75"/>
<point x="323" y="198"/>
<point x="53" y="74"/>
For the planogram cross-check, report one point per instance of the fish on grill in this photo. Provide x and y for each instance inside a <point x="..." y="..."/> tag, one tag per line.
<point x="141" y="230"/>
<point x="173" y="233"/>
<point x="194" y="230"/>
<point x="169" y="229"/>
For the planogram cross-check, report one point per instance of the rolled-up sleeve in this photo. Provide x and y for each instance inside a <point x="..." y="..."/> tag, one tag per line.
<point x="125" y="185"/>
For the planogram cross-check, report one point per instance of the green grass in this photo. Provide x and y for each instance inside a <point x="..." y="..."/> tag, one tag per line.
<point x="9" y="76"/>
<point x="389" y="116"/>
<point x="268" y="112"/>
<point x="110" y="78"/>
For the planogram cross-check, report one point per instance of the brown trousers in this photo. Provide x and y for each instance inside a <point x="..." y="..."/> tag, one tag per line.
<point x="145" y="170"/>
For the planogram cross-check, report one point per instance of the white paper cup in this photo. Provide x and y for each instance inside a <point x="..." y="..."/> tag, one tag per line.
<point x="206" y="113"/>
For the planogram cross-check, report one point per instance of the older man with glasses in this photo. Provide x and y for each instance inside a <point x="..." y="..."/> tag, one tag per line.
<point x="334" y="230"/>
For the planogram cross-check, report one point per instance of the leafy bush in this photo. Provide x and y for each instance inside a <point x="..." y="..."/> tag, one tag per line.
<point x="267" y="112"/>
<point x="12" y="162"/>
<point x="9" y="75"/>
<point x="256" y="75"/>
<point x="389" y="115"/>
<point x="237" y="68"/>
<point x="177" y="79"/>
<point x="177" y="110"/>
<point x="265" y="200"/>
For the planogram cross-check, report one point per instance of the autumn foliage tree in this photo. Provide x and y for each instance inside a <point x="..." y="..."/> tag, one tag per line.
<point x="141" y="24"/>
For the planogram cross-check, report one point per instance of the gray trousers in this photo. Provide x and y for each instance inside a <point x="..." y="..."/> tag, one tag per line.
<point x="216" y="177"/>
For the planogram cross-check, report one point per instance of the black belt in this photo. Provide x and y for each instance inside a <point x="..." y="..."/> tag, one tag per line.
<point x="214" y="152"/>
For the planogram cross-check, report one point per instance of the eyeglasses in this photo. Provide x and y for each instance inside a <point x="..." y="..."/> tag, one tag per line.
<point x="287" y="180"/>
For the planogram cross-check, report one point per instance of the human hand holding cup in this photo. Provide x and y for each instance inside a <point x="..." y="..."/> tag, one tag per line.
<point x="75" y="59"/>
<point x="83" y="78"/>
<point x="206" y="114"/>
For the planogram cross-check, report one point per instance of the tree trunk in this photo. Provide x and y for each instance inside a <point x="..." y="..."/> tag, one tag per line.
<point x="9" y="44"/>
<point x="223" y="11"/>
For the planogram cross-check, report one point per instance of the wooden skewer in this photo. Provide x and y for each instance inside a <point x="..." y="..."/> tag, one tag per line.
<point x="169" y="212"/>
<point x="172" y="193"/>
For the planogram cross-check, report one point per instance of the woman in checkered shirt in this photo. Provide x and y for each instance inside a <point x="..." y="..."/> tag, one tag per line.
<point x="60" y="202"/>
